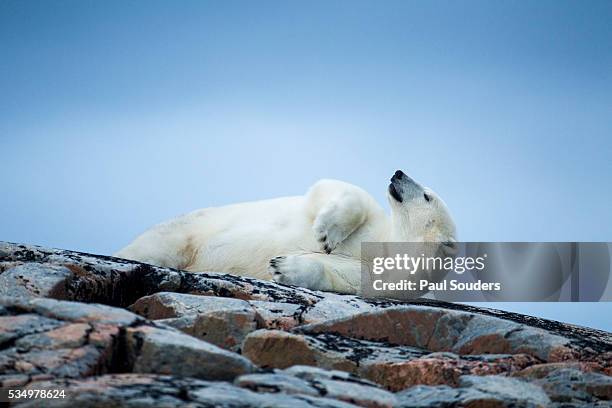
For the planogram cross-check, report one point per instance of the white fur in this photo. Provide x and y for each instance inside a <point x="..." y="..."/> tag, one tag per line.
<point x="289" y="239"/>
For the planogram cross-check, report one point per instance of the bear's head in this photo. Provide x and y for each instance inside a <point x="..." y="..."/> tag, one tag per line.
<point x="418" y="214"/>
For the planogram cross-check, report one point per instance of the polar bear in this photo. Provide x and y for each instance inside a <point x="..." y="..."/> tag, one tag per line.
<point x="312" y="241"/>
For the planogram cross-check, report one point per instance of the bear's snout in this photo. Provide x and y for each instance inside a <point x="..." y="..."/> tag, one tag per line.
<point x="403" y="187"/>
<point x="398" y="175"/>
<point x="402" y="179"/>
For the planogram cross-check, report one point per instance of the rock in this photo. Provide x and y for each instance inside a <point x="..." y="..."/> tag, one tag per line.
<point x="506" y="389"/>
<point x="14" y="327"/>
<point x="397" y="375"/>
<point x="488" y="391"/>
<point x="315" y="374"/>
<point x="273" y="315"/>
<point x="334" y="306"/>
<point x="226" y="395"/>
<point x="226" y="329"/>
<point x="35" y="279"/>
<point x="67" y="336"/>
<point x="44" y="338"/>
<point x="343" y="386"/>
<point x="141" y="390"/>
<point x="484" y="334"/>
<point x="285" y="316"/>
<point x="316" y="382"/>
<point x="443" y="396"/>
<point x="165" y="305"/>
<point x="120" y="282"/>
<point x="572" y="385"/>
<point x="315" y="348"/>
<point x="162" y="351"/>
<point x="224" y="322"/>
<point x="63" y="339"/>
<point x="542" y="370"/>
<point x="80" y="312"/>
<point x="393" y="367"/>
<point x="276" y="382"/>
<point x="448" y="330"/>
<point x="278" y="349"/>
<point x="416" y="326"/>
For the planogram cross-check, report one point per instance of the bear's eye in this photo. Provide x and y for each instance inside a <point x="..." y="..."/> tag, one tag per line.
<point x="427" y="197"/>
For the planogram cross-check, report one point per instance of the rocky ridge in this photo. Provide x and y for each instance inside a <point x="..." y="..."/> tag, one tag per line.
<point x="112" y="332"/>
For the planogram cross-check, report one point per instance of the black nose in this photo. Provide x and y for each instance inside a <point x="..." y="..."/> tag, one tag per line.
<point x="399" y="174"/>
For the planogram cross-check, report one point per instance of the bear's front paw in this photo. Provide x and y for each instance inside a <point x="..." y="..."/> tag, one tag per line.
<point x="328" y="234"/>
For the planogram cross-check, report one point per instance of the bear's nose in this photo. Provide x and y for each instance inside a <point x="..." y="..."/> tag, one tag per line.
<point x="399" y="174"/>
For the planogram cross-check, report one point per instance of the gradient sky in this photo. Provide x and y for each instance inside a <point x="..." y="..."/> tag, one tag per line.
<point x="115" y="115"/>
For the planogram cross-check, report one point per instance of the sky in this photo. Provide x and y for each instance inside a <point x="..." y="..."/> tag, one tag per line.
<point x="117" y="115"/>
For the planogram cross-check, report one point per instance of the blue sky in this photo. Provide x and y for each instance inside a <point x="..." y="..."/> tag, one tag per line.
<point x="116" y="115"/>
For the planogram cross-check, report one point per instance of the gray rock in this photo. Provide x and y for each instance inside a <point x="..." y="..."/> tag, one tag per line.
<point x="597" y="404"/>
<point x="226" y="328"/>
<point x="70" y="311"/>
<point x="165" y="305"/>
<point x="120" y="390"/>
<point x="276" y="382"/>
<point x="71" y="363"/>
<point x="224" y="395"/>
<point x="484" y="334"/>
<point x="39" y="346"/>
<point x="572" y="385"/>
<point x="223" y="322"/>
<point x="343" y="386"/>
<point x="393" y="367"/>
<point x="160" y="351"/>
<point x="80" y="312"/>
<point x="285" y="316"/>
<point x="304" y="380"/>
<point x="335" y="306"/>
<point x="443" y="396"/>
<point x="121" y="282"/>
<point x="316" y="374"/>
<point x="356" y="393"/>
<point x="493" y="391"/>
<point x="277" y="315"/>
<point x="14" y="327"/>
<point x="68" y="336"/>
<point x="35" y="280"/>
<point x="393" y="344"/>
<point x="437" y="329"/>
<point x="506" y="389"/>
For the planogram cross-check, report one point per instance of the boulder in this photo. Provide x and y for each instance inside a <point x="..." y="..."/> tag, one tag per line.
<point x="36" y="279"/>
<point x="313" y="381"/>
<point x="475" y="391"/>
<point x="161" y="351"/>
<point x="146" y="390"/>
<point x="221" y="321"/>
<point x="393" y="367"/>
<point x="438" y="329"/>
<point x="164" y="305"/>
<point x="569" y="385"/>
<point x="46" y="338"/>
